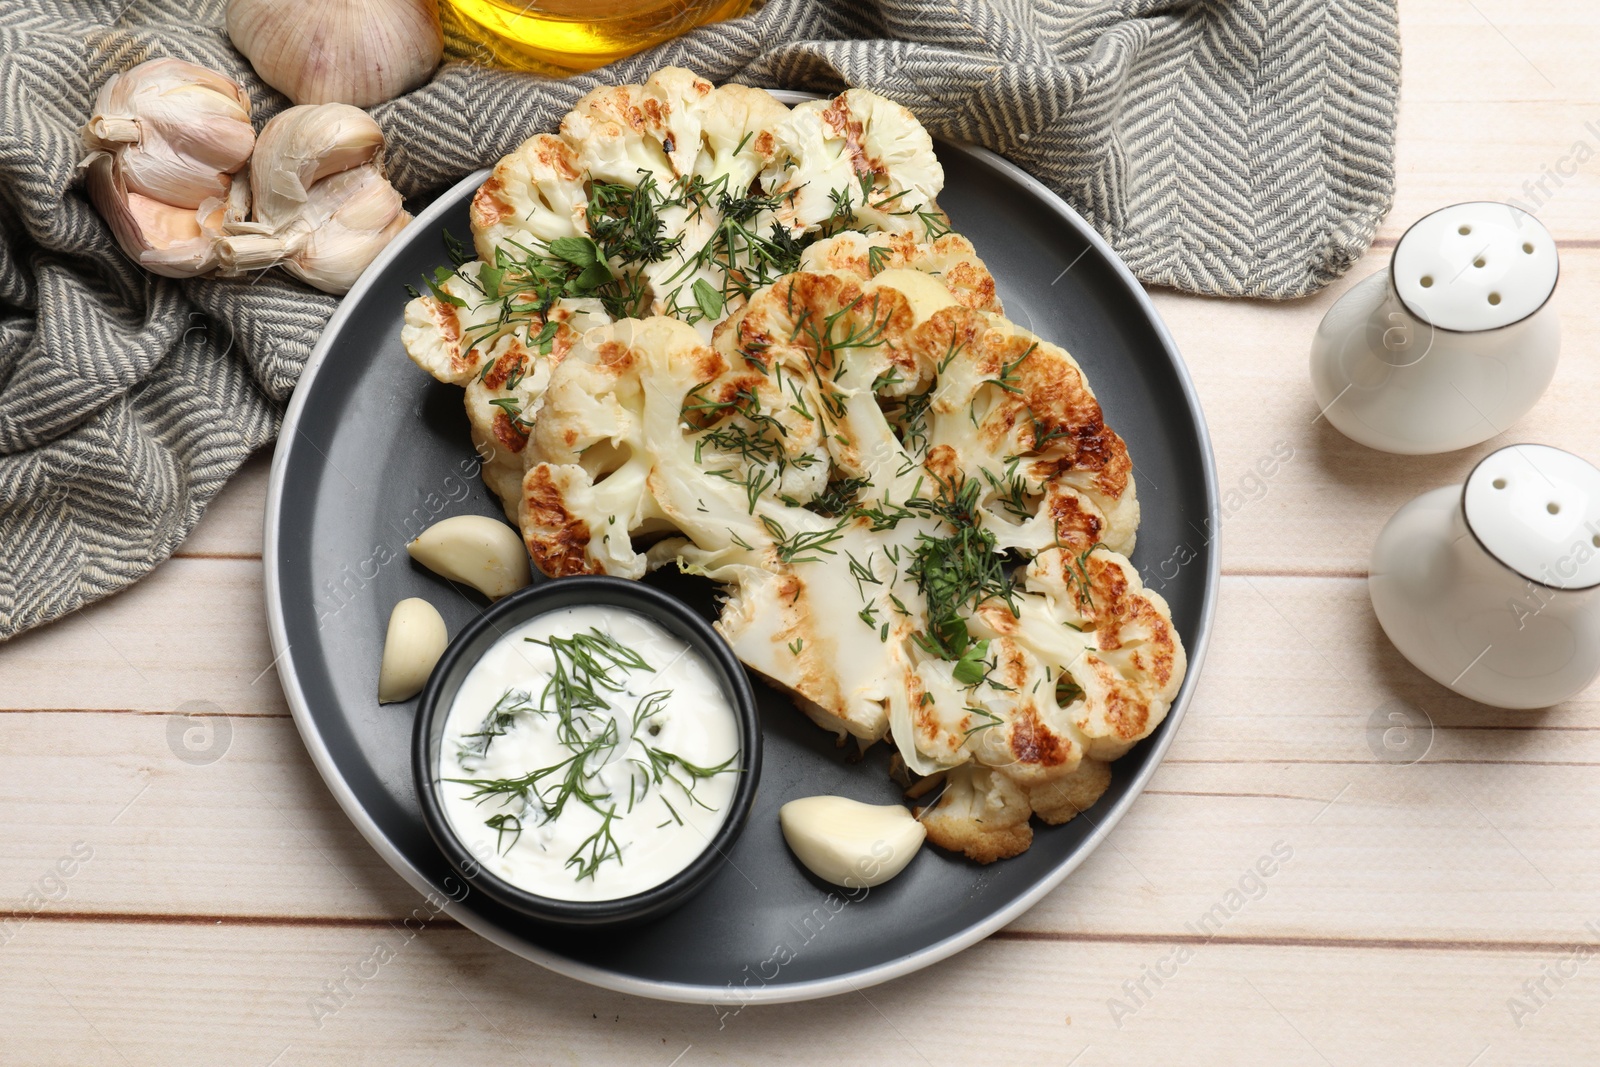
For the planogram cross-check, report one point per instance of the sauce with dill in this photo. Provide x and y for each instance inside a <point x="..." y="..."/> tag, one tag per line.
<point x="589" y="755"/>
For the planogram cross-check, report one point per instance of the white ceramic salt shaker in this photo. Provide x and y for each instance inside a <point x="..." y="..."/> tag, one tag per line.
<point x="1492" y="588"/>
<point x="1453" y="344"/>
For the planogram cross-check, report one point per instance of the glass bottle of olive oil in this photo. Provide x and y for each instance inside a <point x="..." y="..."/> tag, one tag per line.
<point x="559" y="37"/>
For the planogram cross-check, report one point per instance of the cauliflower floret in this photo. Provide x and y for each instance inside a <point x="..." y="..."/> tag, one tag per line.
<point x="981" y="813"/>
<point x="448" y="335"/>
<point x="863" y="147"/>
<point x="613" y="139"/>
<point x="535" y="195"/>
<point x="504" y="395"/>
<point x="1131" y="662"/>
<point x="951" y="258"/>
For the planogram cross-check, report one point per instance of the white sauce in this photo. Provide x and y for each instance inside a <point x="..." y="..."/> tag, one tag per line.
<point x="658" y="830"/>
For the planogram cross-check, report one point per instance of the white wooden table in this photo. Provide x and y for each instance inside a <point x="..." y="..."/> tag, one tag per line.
<point x="1444" y="912"/>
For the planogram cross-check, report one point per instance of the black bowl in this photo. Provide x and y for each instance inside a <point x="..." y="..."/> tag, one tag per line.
<point x="470" y="645"/>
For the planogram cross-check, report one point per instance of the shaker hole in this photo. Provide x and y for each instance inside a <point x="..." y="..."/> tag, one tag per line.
<point x="1528" y="247"/>
<point x="1427" y="281"/>
<point x="1499" y="483"/>
<point x="1494" y="298"/>
<point x="1465" y="229"/>
<point x="1553" y="508"/>
<point x="1480" y="262"/>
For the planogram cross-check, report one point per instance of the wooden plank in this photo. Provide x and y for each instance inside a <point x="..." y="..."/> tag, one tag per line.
<point x="1279" y="746"/>
<point x="93" y="993"/>
<point x="252" y="832"/>
<point x="231" y="526"/>
<point x="194" y="630"/>
<point x="1503" y="37"/>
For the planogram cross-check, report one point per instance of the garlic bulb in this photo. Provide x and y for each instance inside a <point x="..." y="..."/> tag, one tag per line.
<point x="323" y="209"/>
<point x="179" y="131"/>
<point x="165" y="141"/>
<point x="359" y="52"/>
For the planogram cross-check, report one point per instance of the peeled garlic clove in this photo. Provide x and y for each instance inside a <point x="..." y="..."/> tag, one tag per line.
<point x="359" y="52"/>
<point x="178" y="131"/>
<point x="849" y="843"/>
<point x="416" y="639"/>
<point x="475" y="550"/>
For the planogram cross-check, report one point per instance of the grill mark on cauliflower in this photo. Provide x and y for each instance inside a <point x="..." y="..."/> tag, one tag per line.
<point x="971" y="285"/>
<point x="944" y="463"/>
<point x="1033" y="742"/>
<point x="1077" y="527"/>
<point x="556" y="538"/>
<point x="844" y="124"/>
<point x="509" y="433"/>
<point x="488" y="208"/>
<point x="513" y="359"/>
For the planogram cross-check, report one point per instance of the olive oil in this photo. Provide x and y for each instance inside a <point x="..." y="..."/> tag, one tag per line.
<point x="559" y="37"/>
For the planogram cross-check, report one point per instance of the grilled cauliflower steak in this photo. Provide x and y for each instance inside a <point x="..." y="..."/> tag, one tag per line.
<point x="709" y="331"/>
<point x="851" y="457"/>
<point x="670" y="198"/>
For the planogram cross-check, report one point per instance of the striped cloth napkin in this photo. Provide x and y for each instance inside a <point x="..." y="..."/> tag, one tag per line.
<point x="1230" y="147"/>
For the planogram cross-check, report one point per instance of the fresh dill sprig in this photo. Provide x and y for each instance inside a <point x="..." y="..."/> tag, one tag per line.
<point x="625" y="221"/>
<point x="582" y="666"/>
<point x="1010" y="488"/>
<point x="956" y="572"/>
<point x="1068" y="690"/>
<point x="496" y="723"/>
<point x="838" y="497"/>
<point x="797" y="547"/>
<point x="600" y="846"/>
<point x="989" y="717"/>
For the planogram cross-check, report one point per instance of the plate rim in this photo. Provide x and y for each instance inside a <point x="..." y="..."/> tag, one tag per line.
<point x="685" y="992"/>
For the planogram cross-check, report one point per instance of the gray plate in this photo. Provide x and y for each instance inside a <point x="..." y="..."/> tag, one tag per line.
<point x="372" y="449"/>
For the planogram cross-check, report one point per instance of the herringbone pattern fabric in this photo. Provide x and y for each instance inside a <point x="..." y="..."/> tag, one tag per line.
<point x="1234" y="147"/>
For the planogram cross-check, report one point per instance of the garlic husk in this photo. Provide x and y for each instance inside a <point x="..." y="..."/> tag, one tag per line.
<point x="412" y="645"/>
<point x="322" y="208"/>
<point x="359" y="52"/>
<point x="165" y="239"/>
<point x="179" y="131"/>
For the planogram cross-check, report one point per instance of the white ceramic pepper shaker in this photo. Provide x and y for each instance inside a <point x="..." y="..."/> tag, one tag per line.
<point x="1492" y="588"/>
<point x="1453" y="344"/>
